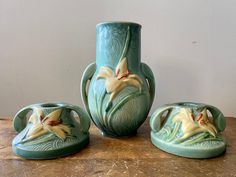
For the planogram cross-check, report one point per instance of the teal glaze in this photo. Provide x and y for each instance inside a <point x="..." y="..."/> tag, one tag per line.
<point x="186" y="130"/>
<point x="118" y="47"/>
<point x="51" y="131"/>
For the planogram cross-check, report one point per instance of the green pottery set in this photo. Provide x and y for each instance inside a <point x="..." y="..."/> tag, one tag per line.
<point x="118" y="92"/>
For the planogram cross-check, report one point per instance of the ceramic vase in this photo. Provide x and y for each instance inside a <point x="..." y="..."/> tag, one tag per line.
<point x="51" y="130"/>
<point x="121" y="88"/>
<point x="187" y="130"/>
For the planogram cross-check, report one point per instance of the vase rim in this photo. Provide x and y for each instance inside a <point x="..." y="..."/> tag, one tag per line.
<point x="118" y="22"/>
<point x="189" y="104"/>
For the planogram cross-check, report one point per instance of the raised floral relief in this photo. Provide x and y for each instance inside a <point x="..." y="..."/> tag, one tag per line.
<point x="121" y="78"/>
<point x="42" y="125"/>
<point x="115" y="82"/>
<point x="118" y="89"/>
<point x="184" y="129"/>
<point x="193" y="125"/>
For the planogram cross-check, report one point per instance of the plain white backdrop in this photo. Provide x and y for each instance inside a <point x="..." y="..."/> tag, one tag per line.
<point x="45" y="46"/>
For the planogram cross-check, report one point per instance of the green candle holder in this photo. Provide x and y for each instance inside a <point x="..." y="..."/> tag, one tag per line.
<point x="51" y="131"/>
<point x="186" y="130"/>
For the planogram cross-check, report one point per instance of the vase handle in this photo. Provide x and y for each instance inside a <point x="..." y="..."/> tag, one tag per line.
<point x="218" y="117"/>
<point x="83" y="116"/>
<point x="157" y="119"/>
<point x="20" y="119"/>
<point x="150" y="79"/>
<point x="87" y="76"/>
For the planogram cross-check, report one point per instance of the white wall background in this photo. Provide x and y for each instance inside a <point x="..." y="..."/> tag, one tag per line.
<point x="45" y="46"/>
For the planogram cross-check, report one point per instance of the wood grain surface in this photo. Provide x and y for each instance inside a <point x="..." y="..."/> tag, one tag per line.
<point x="134" y="156"/>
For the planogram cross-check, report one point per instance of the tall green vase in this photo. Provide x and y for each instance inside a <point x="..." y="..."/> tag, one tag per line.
<point x="121" y="88"/>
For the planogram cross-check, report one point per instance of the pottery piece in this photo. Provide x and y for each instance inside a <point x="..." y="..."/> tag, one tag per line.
<point x="186" y="130"/>
<point x="121" y="89"/>
<point x="51" y="131"/>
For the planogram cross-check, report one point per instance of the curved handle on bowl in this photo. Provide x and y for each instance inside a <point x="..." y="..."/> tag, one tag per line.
<point x="149" y="76"/>
<point x="87" y="76"/>
<point x="156" y="118"/>
<point x="218" y="117"/>
<point x="83" y="116"/>
<point x="20" y="119"/>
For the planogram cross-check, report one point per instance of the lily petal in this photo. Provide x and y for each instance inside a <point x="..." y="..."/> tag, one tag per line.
<point x="34" y="118"/>
<point x="122" y="68"/>
<point x="35" y="129"/>
<point x="183" y="115"/>
<point x="105" y="72"/>
<point x="65" y="128"/>
<point x="211" y="130"/>
<point x="53" y="116"/>
<point x="36" y="135"/>
<point x="112" y="85"/>
<point x="136" y="77"/>
<point x="57" y="131"/>
<point x="40" y="112"/>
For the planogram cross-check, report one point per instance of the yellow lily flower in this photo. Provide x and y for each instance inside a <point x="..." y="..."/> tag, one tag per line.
<point x="44" y="124"/>
<point x="115" y="82"/>
<point x="204" y="123"/>
<point x="192" y="125"/>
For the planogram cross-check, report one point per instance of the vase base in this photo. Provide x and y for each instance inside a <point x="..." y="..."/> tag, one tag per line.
<point x="109" y="135"/>
<point x="51" y="154"/>
<point x="197" y="151"/>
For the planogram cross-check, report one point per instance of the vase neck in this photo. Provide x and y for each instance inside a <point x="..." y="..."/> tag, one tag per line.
<point x="116" y="41"/>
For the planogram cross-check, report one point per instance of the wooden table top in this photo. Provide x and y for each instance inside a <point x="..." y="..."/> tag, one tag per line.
<point x="134" y="156"/>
